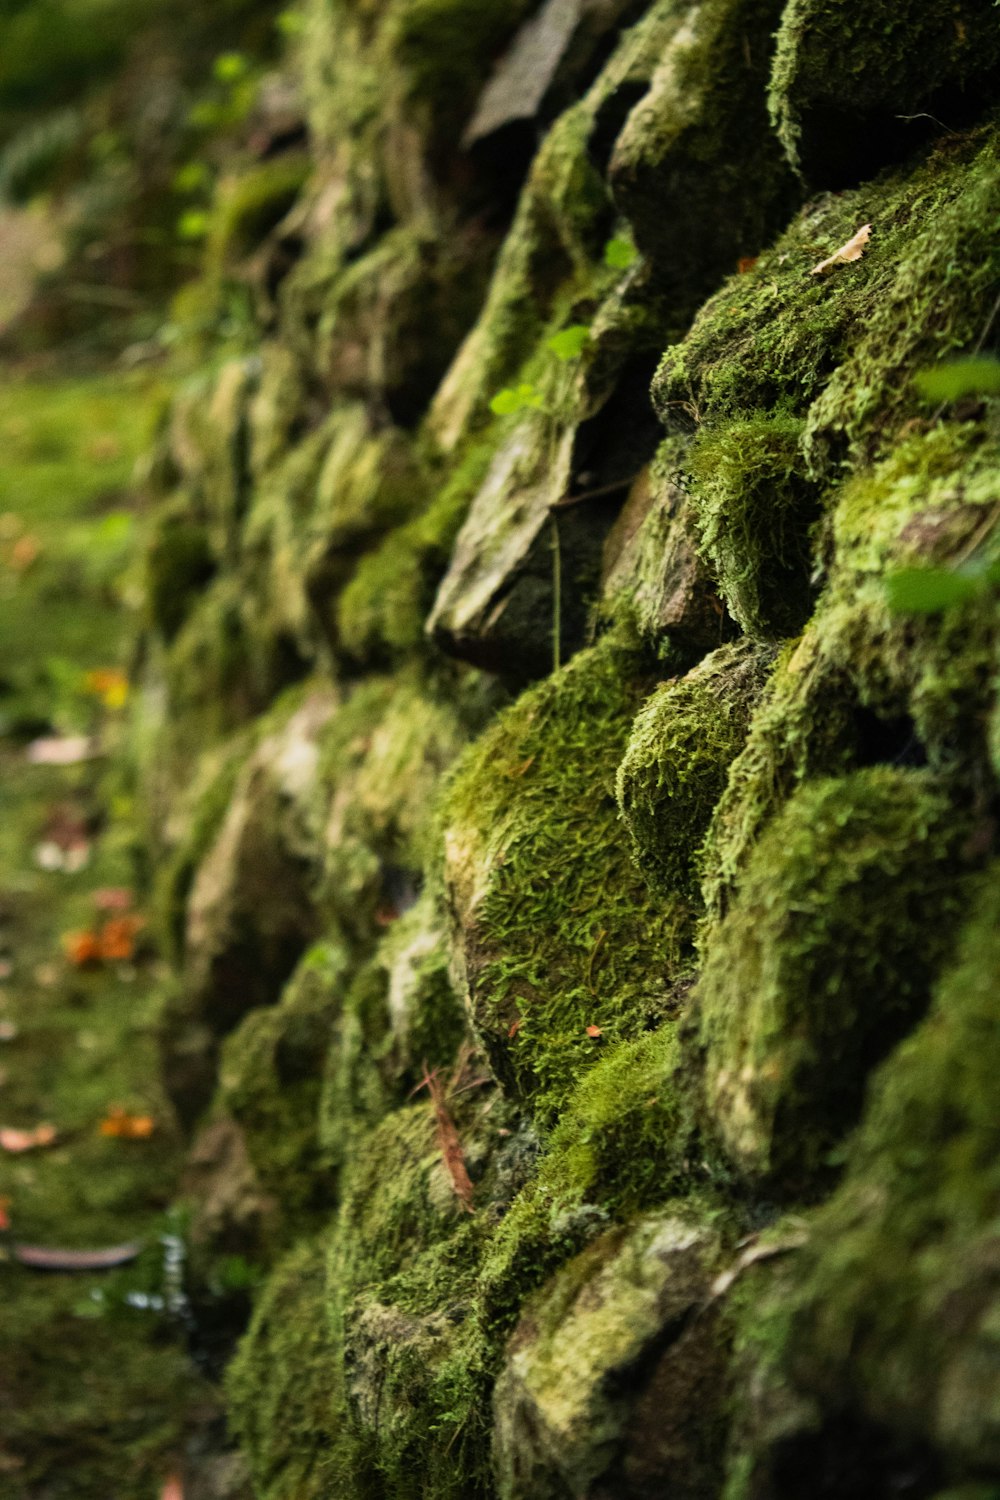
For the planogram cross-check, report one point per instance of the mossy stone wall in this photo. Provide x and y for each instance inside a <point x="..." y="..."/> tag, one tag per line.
<point x="579" y="872"/>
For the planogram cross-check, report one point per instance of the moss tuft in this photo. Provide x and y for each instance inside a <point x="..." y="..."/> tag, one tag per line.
<point x="557" y="928"/>
<point x="753" y="508"/>
<point x="846" y="910"/>
<point x="677" y="760"/>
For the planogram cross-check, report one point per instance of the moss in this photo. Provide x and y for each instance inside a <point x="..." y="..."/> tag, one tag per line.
<point x="696" y="168"/>
<point x="249" y="206"/>
<point x="381" y="613"/>
<point x="270" y="1078"/>
<point x="179" y="563"/>
<point x="843" y="78"/>
<point x="557" y="927"/>
<point x="624" y="1144"/>
<point x="885" y="1311"/>
<point x="285" y="1389"/>
<point x="840" y="350"/>
<point x="846" y="910"/>
<point x="400" y="1015"/>
<point x="754" y="507"/>
<point x="677" y="760"/>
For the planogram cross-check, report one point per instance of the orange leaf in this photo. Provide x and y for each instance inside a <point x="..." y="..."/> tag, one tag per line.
<point x="172" y="1489"/>
<point x="122" y="1126"/>
<point x="746" y="263"/>
<point x="853" y="250"/>
<point x="4" y="1214"/>
<point x="82" y="949"/>
<point x="594" y="1031"/>
<point x="515" y="1027"/>
<point x="117" y="938"/>
<point x="16" y="1141"/>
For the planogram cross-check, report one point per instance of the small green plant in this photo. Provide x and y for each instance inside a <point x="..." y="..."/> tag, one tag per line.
<point x="230" y="67"/>
<point x="620" y="253"/>
<point x="570" y="342"/>
<point x="193" y="225"/>
<point x="978" y="375"/>
<point x="515" y="399"/>
<point x="930" y="591"/>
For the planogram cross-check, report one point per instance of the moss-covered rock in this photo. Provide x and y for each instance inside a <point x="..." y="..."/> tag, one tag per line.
<point x="849" y="904"/>
<point x="555" y="929"/>
<point x="851" y="89"/>
<point x="614" y="1378"/>
<point x="696" y="169"/>
<point x="883" y="1325"/>
<point x="677" y="760"/>
<point x="285" y="1390"/>
<point x="270" y="1077"/>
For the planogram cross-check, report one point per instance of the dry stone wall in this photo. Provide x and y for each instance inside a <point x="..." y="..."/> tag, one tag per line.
<point x="578" y="858"/>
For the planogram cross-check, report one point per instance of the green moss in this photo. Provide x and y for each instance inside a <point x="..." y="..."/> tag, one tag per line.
<point x="624" y="1144"/>
<point x="696" y="168"/>
<point x="249" y="206"/>
<point x="754" y="507"/>
<point x="847" y="908"/>
<point x="285" y="1389"/>
<point x="558" y="929"/>
<point x="840" y="350"/>
<point x="677" y="760"/>
<point x="400" y="1015"/>
<point x="885" y="1308"/>
<point x="270" y="1078"/>
<point x="179" y="562"/>
<point x="381" y="614"/>
<point x="842" y="74"/>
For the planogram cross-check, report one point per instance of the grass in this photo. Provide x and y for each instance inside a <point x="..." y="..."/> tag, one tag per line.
<point x="97" y="1391"/>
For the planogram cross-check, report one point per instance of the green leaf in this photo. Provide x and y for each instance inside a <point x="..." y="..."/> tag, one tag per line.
<point x="619" y="253"/>
<point x="230" y="67"/>
<point x="928" y="591"/>
<point x="192" y="225"/>
<point x="570" y="342"/>
<point x="513" y="399"/>
<point x="959" y="377"/>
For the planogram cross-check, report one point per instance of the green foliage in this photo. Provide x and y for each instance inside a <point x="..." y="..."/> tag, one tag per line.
<point x="930" y="591"/>
<point x="975" y="376"/>
<point x="514" y="399"/>
<point x="570" y="342"/>
<point x="619" y="253"/>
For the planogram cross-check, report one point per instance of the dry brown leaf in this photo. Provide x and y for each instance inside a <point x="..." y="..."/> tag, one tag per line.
<point x="16" y="1141"/>
<point x="449" y="1143"/>
<point x="852" y="250"/>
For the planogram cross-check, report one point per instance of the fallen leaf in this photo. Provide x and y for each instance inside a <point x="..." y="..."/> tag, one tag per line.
<point x="41" y="1258"/>
<point x="515" y="1027"/>
<point x="594" y="1031"/>
<point x="122" y="1126"/>
<point x="852" y="250"/>
<point x="113" y="898"/>
<point x="108" y="684"/>
<point x="60" y="750"/>
<point x="449" y="1142"/>
<point x="16" y="1141"/>
<point x="24" y="554"/>
<point x="172" y="1488"/>
<point x="83" y="949"/>
<point x="4" y="1213"/>
<point x="116" y="942"/>
<point x="746" y="263"/>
